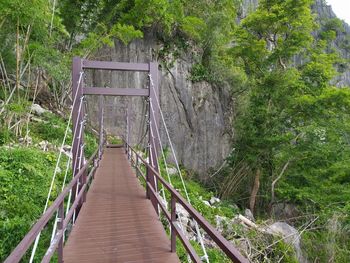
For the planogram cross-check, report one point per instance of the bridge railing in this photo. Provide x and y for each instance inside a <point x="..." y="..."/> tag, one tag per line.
<point x="83" y="177"/>
<point x="230" y="251"/>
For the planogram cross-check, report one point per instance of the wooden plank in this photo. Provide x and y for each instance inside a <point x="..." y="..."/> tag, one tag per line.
<point x="117" y="223"/>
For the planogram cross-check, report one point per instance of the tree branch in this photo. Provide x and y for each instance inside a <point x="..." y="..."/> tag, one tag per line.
<point x="277" y="179"/>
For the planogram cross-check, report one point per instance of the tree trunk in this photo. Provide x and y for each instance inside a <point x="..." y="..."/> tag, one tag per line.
<point x="255" y="190"/>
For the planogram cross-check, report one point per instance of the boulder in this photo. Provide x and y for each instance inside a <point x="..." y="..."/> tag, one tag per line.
<point x="44" y="145"/>
<point x="186" y="224"/>
<point x="67" y="151"/>
<point x="171" y="170"/>
<point x="290" y="235"/>
<point x="37" y="109"/>
<point x="248" y="214"/>
<point x="182" y="215"/>
<point x="214" y="200"/>
<point x="220" y="222"/>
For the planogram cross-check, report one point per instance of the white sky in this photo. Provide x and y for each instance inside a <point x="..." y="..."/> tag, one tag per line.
<point x="341" y="8"/>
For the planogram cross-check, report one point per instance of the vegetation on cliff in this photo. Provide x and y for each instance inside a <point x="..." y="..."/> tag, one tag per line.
<point x="291" y="125"/>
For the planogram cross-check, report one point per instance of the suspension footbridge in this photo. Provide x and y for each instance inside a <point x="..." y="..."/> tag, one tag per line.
<point x="105" y="214"/>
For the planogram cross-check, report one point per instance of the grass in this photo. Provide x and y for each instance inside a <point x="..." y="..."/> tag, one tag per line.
<point x="25" y="177"/>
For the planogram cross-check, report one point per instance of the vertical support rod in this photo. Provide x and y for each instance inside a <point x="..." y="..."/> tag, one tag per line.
<point x="128" y="131"/>
<point x="101" y="123"/>
<point x="173" y="221"/>
<point x="60" y="228"/>
<point x="127" y="126"/>
<point x="154" y="119"/>
<point x="77" y="89"/>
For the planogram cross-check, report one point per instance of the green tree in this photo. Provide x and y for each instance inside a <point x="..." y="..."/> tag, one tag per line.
<point x="273" y="118"/>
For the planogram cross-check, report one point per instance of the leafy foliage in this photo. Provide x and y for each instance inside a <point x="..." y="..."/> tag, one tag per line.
<point x="24" y="180"/>
<point x="291" y="125"/>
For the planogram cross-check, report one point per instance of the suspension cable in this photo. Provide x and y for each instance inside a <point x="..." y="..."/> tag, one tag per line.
<point x="76" y="152"/>
<point x="66" y="174"/>
<point x="56" y="168"/>
<point x="168" y="175"/>
<point x="82" y="124"/>
<point x="155" y="157"/>
<point x="166" y="167"/>
<point x="63" y="185"/>
<point x="161" y="148"/>
<point x="178" y="169"/>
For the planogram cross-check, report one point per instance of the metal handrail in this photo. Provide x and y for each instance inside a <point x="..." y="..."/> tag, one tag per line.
<point x="222" y="243"/>
<point x="58" y="204"/>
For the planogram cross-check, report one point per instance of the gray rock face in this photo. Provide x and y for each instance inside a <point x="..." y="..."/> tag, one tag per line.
<point x="196" y="114"/>
<point x="248" y="214"/>
<point x="247" y="7"/>
<point x="341" y="44"/>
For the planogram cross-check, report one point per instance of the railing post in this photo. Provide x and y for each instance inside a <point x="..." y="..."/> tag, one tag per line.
<point x="84" y="176"/>
<point x="60" y="220"/>
<point x="173" y="221"/>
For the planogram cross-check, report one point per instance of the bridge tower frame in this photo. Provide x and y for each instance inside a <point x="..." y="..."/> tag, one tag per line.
<point x="152" y="93"/>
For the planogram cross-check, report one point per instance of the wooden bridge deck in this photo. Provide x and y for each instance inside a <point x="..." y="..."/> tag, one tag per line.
<point x="117" y="223"/>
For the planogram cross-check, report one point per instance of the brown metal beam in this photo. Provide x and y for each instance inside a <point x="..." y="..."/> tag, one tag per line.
<point x="115" y="91"/>
<point x="221" y="242"/>
<point x="109" y="65"/>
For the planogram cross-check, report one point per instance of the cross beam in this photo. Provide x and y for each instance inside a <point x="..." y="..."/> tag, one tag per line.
<point x="116" y="91"/>
<point x="111" y="65"/>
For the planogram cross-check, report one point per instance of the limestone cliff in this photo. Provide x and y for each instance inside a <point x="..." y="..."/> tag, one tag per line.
<point x="197" y="114"/>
